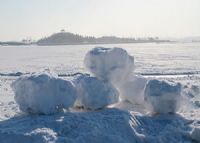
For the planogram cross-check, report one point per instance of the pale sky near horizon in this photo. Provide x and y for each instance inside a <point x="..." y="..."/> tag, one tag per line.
<point x="125" y="18"/>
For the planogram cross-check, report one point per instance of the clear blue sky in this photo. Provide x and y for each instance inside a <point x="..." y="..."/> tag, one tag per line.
<point x="136" y="18"/>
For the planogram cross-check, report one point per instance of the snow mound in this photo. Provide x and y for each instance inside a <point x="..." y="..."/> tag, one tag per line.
<point x="93" y="93"/>
<point x="43" y="93"/>
<point x="163" y="96"/>
<point x="109" y="64"/>
<point x="133" y="89"/>
<point x="104" y="126"/>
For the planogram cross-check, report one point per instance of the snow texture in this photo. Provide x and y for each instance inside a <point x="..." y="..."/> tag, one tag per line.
<point x="133" y="89"/>
<point x="43" y="93"/>
<point x="104" y="126"/>
<point x="93" y="93"/>
<point x="195" y="134"/>
<point x="163" y="96"/>
<point x="108" y="125"/>
<point x="109" y="64"/>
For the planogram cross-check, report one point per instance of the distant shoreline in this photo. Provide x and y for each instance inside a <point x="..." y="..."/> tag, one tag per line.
<point x="87" y="44"/>
<point x="101" y="43"/>
<point x="34" y="44"/>
<point x="66" y="38"/>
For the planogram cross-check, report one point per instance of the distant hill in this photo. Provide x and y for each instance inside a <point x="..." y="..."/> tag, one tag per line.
<point x="67" y="38"/>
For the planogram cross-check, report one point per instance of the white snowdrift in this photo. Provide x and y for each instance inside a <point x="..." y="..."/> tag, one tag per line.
<point x="109" y="64"/>
<point x="133" y="89"/>
<point x="43" y="93"/>
<point x="93" y="93"/>
<point x="163" y="96"/>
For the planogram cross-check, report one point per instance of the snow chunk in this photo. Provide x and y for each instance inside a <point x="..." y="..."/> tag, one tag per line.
<point x="43" y="93"/>
<point x="133" y="89"/>
<point x="109" y="64"/>
<point x="163" y="96"/>
<point x="94" y="93"/>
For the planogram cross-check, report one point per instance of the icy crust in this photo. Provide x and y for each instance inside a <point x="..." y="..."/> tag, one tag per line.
<point x="93" y="93"/>
<point x="163" y="96"/>
<point x="104" y="126"/>
<point x="43" y="93"/>
<point x="109" y="64"/>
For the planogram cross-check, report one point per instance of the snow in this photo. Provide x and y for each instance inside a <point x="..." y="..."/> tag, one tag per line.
<point x="109" y="64"/>
<point x="43" y="93"/>
<point x="124" y="121"/>
<point x="133" y="89"/>
<point x="195" y="133"/>
<point x="163" y="96"/>
<point x="94" y="93"/>
<point x="107" y="126"/>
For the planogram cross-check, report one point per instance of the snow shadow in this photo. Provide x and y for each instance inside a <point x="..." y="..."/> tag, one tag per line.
<point x="108" y="125"/>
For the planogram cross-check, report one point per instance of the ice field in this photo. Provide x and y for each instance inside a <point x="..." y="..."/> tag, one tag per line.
<point x="122" y="122"/>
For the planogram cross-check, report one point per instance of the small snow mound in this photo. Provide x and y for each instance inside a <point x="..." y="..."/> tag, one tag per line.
<point x="133" y="89"/>
<point x="163" y="96"/>
<point x="109" y="64"/>
<point x="93" y="93"/>
<point x="43" y="93"/>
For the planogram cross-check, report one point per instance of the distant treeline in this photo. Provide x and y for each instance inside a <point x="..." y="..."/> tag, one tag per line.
<point x="14" y="43"/>
<point x="66" y="38"/>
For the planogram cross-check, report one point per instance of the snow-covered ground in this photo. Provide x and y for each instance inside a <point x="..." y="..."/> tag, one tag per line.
<point x="149" y="58"/>
<point x="122" y="122"/>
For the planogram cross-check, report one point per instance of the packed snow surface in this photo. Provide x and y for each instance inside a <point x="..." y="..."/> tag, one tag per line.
<point x="103" y="126"/>
<point x="109" y="64"/>
<point x="43" y="93"/>
<point x="93" y="93"/>
<point x="163" y="96"/>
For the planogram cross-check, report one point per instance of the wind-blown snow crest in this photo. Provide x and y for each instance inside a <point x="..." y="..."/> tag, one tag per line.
<point x="43" y="93"/>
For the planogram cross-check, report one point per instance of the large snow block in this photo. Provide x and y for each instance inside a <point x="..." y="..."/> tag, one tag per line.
<point x="93" y="93"/>
<point x="109" y="64"/>
<point x="43" y="93"/>
<point x="133" y="89"/>
<point x="163" y="96"/>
